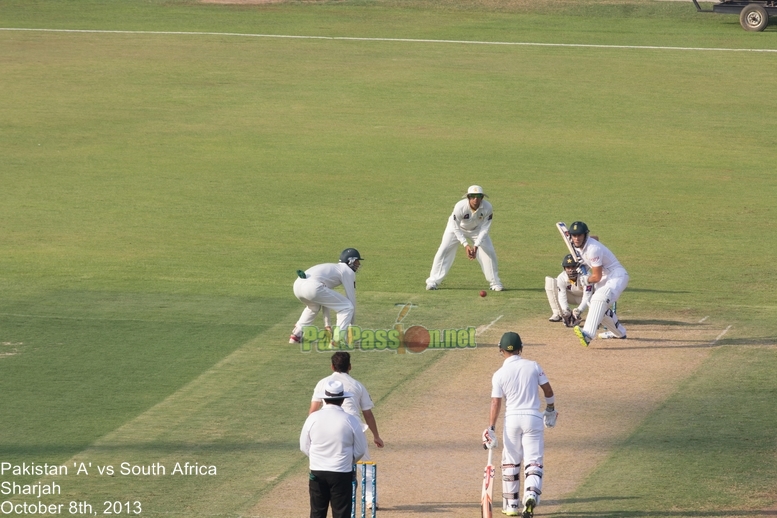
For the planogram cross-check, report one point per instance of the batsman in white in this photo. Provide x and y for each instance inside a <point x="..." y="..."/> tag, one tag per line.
<point x="608" y="278"/>
<point x="470" y="220"/>
<point x="569" y="286"/>
<point x="360" y="403"/>
<point x="315" y="288"/>
<point x="519" y="381"/>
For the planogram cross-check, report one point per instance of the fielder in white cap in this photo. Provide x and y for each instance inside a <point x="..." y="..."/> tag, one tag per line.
<point x="333" y="440"/>
<point x="470" y="221"/>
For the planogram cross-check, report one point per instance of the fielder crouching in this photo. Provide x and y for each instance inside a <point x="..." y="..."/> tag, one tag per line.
<point x="518" y="381"/>
<point x="569" y="287"/>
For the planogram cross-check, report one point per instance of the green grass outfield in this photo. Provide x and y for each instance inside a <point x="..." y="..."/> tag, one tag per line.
<point x="158" y="191"/>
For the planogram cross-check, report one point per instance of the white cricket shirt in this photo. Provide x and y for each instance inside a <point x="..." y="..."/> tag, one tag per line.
<point x="333" y="275"/>
<point x="475" y="223"/>
<point x="332" y="439"/>
<point x="518" y="381"/>
<point x="355" y="405"/>
<point x="596" y="254"/>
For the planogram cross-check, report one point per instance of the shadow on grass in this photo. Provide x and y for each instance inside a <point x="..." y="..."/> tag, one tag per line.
<point x="654" y="322"/>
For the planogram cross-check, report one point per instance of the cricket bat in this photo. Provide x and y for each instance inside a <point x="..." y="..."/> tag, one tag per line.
<point x="487" y="495"/>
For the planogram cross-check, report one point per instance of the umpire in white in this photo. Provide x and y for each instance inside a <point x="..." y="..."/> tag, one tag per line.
<point x="518" y="381"/>
<point x="333" y="441"/>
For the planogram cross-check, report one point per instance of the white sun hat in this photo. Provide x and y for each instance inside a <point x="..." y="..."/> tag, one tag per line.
<point x="333" y="390"/>
<point x="475" y="189"/>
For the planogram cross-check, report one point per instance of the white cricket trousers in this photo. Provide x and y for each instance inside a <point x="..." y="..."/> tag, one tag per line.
<point x="446" y="254"/>
<point x="524" y="444"/>
<point x="315" y="295"/>
<point x="605" y="294"/>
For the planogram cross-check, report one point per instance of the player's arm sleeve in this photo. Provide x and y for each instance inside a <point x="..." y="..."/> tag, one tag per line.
<point x="349" y="285"/>
<point x="543" y="379"/>
<point x="359" y="439"/>
<point x="325" y="313"/>
<point x="365" y="401"/>
<point x="588" y="290"/>
<point x="496" y="387"/>
<point x="304" y="437"/>
<point x="484" y="229"/>
<point x="562" y="281"/>
<point x="453" y="223"/>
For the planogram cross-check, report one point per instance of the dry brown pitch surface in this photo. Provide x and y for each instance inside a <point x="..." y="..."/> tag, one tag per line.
<point x="433" y="460"/>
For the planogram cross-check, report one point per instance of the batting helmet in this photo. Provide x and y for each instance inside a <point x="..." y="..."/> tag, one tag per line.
<point x="349" y="256"/>
<point x="577" y="228"/>
<point x="510" y="342"/>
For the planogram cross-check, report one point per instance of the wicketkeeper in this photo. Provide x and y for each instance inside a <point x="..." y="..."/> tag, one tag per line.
<point x="570" y="286"/>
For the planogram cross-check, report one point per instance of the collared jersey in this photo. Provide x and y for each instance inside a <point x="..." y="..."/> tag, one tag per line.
<point x="595" y="253"/>
<point x="332" y="275"/>
<point x="478" y="222"/>
<point x="355" y="405"/>
<point x="518" y="381"/>
<point x="332" y="439"/>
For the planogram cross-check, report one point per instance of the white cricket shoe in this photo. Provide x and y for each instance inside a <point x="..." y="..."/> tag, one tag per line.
<point x="555" y="318"/>
<point x="609" y="334"/>
<point x="431" y="286"/>
<point x="496" y="287"/>
<point x="512" y="511"/>
<point x="584" y="338"/>
<point x="294" y="339"/>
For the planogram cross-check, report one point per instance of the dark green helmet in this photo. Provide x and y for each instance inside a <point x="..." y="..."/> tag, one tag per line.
<point x="510" y="342"/>
<point x="577" y="228"/>
<point x="349" y="256"/>
<point x="569" y="262"/>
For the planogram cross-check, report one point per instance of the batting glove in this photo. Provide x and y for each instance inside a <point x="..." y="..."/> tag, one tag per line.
<point x="489" y="439"/>
<point x="549" y="416"/>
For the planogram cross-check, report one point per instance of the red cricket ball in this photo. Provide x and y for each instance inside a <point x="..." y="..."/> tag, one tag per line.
<point x="483" y="293"/>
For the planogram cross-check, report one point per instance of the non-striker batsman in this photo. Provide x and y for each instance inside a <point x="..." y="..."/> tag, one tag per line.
<point x="519" y="381"/>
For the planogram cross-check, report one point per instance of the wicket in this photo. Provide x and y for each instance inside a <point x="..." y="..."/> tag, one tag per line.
<point x="365" y="466"/>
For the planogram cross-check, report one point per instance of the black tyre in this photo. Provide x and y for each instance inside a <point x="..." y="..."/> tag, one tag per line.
<point x="754" y="18"/>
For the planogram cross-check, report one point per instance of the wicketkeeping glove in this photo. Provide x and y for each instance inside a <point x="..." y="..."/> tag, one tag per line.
<point x="489" y="439"/>
<point x="549" y="416"/>
<point x="576" y="318"/>
<point x="567" y="318"/>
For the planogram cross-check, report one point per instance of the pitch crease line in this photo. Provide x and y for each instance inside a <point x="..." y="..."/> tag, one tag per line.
<point x="721" y="334"/>
<point x="482" y="329"/>
<point x="399" y="40"/>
